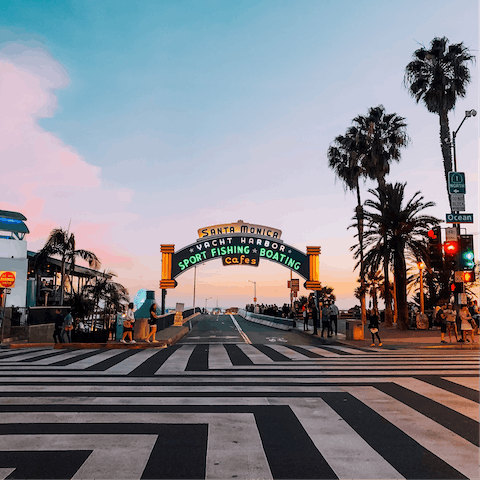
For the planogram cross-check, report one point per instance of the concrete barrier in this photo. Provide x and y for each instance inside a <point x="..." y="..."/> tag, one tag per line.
<point x="274" y="322"/>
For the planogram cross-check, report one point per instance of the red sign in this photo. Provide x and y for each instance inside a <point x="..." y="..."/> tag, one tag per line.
<point x="7" y="279"/>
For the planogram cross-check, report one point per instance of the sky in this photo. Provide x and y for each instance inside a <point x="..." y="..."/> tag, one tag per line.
<point x="138" y="123"/>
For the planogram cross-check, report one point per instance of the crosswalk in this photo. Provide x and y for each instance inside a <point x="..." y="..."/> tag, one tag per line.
<point x="239" y="411"/>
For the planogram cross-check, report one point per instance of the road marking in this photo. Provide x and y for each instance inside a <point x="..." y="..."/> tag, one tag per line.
<point x="240" y="331"/>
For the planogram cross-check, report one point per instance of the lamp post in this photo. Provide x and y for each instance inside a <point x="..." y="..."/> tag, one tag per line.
<point x="468" y="113"/>
<point x="206" y="300"/>
<point x="194" y="286"/>
<point x="254" y="291"/>
<point x="421" y="266"/>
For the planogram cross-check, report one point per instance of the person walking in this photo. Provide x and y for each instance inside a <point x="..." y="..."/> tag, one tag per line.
<point x="373" y="326"/>
<point x="67" y="327"/>
<point x="153" y="323"/>
<point x="467" y="324"/>
<point x="58" y="320"/>
<point x="325" y="320"/>
<point x="128" y="325"/>
<point x="333" y="311"/>
<point x="450" y="317"/>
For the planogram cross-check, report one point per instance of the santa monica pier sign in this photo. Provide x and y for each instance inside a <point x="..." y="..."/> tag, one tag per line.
<point x="239" y="244"/>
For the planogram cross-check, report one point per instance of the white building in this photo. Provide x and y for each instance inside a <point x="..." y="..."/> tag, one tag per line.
<point x="13" y="256"/>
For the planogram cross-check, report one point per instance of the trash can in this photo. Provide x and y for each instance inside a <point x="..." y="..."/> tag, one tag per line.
<point x="354" y="330"/>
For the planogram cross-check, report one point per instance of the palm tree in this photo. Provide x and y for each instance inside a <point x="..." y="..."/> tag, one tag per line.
<point x="438" y="76"/>
<point x="402" y="228"/>
<point x="344" y="159"/>
<point x="62" y="243"/>
<point x="382" y="135"/>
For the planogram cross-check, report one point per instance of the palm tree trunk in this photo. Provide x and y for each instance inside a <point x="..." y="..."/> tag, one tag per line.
<point x="362" y="260"/>
<point x="62" y="282"/>
<point x="400" y="280"/>
<point x="446" y="146"/>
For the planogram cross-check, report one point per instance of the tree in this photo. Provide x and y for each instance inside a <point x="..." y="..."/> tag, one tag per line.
<point x="382" y="135"/>
<point x="344" y="158"/>
<point x="396" y="227"/>
<point x="61" y="243"/>
<point x="438" y="76"/>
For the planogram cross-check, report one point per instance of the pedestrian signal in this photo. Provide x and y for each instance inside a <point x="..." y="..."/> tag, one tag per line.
<point x="468" y="277"/>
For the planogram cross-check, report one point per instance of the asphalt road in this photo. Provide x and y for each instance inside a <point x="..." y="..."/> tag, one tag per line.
<point x="235" y="329"/>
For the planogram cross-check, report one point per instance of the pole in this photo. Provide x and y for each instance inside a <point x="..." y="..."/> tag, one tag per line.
<point x="3" y="319"/>
<point x="422" y="303"/>
<point x="194" y="286"/>
<point x="164" y="294"/>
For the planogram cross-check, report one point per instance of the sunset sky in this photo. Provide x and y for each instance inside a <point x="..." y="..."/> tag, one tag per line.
<point x="140" y="122"/>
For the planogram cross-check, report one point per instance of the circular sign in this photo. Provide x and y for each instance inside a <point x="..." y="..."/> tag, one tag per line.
<point x="7" y="279"/>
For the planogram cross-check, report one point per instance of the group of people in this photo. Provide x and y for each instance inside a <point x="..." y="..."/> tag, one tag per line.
<point x="270" y="310"/>
<point x="328" y="314"/>
<point x="129" y="321"/>
<point x="462" y="323"/>
<point x="63" y="327"/>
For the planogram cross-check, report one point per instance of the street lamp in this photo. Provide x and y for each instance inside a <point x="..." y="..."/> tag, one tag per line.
<point x="421" y="266"/>
<point x="254" y="291"/>
<point x="206" y="300"/>
<point x="468" y="113"/>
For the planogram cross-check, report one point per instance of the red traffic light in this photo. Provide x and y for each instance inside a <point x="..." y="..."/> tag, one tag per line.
<point x="432" y="234"/>
<point x="450" y="248"/>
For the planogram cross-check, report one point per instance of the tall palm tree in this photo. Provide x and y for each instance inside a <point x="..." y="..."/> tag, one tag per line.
<point x="438" y="76"/>
<point x="344" y="158"/>
<point x="382" y="136"/>
<point x="402" y="228"/>
<point x="61" y="243"/>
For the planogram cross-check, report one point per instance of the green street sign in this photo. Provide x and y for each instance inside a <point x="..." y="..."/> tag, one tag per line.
<point x="459" y="217"/>
<point x="456" y="182"/>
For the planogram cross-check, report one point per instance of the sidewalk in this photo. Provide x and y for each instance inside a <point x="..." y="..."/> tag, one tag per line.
<point x="392" y="338"/>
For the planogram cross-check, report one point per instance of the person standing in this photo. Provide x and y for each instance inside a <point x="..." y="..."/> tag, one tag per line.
<point x="305" y="317"/>
<point x="58" y="320"/>
<point x="128" y="325"/>
<point x="67" y="327"/>
<point x="333" y="311"/>
<point x="441" y="320"/>
<point x="153" y="323"/>
<point x="450" y="317"/>
<point x="325" y="320"/>
<point x="467" y="324"/>
<point x="373" y="327"/>
<point x="314" y="313"/>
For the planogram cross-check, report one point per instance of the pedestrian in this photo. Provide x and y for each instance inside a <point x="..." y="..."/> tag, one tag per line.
<point x="128" y="325"/>
<point x="67" y="327"/>
<point x="314" y="313"/>
<point x="450" y="317"/>
<point x="305" y="317"/>
<point x="153" y="323"/>
<point x="440" y="318"/>
<point x="373" y="324"/>
<point x="325" y="320"/>
<point x="58" y="320"/>
<point x="468" y="324"/>
<point x="333" y="311"/>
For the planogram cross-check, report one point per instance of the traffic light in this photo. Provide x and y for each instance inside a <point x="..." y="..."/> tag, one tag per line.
<point x="451" y="254"/>
<point x="435" y="248"/>
<point x="456" y="287"/>
<point x="469" y="277"/>
<point x="466" y="257"/>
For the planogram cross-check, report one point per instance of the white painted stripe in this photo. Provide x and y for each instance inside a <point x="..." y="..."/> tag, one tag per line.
<point x="131" y="363"/>
<point x="321" y="351"/>
<point x="64" y="356"/>
<point x="255" y="355"/>
<point x="111" y="455"/>
<point x="218" y="357"/>
<point x="239" y="328"/>
<point x="450" y="447"/>
<point x="234" y="446"/>
<point x="349" y="350"/>
<point x="469" y="382"/>
<point x="90" y="361"/>
<point x="288" y="352"/>
<point x="26" y="356"/>
<point x="455" y="402"/>
<point x="177" y="362"/>
<point x="331" y="435"/>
